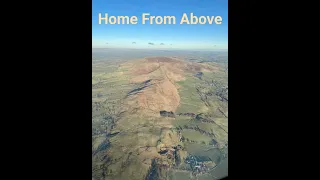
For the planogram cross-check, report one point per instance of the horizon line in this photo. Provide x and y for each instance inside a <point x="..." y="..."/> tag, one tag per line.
<point x="161" y="49"/>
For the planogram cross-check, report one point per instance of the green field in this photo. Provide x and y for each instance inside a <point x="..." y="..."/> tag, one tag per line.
<point x="189" y="99"/>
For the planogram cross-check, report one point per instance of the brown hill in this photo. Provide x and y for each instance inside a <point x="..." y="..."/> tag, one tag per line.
<point x="162" y="73"/>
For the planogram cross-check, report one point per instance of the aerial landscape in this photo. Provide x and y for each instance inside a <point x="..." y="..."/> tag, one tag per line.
<point x="159" y="99"/>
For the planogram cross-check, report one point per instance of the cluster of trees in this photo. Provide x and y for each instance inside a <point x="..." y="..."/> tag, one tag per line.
<point x="167" y="114"/>
<point x="187" y="114"/>
<point x="196" y="128"/>
<point x="222" y="93"/>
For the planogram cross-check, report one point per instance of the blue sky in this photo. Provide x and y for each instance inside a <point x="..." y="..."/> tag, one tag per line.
<point x="205" y="37"/>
